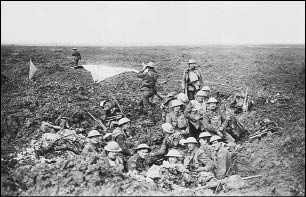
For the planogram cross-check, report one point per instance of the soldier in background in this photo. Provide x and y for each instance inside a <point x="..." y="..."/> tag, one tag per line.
<point x="76" y="57"/>
<point x="192" y="80"/>
<point x="148" y="87"/>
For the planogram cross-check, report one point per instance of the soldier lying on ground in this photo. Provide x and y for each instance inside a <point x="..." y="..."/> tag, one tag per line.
<point x="196" y="160"/>
<point x="177" y="119"/>
<point x="93" y="146"/>
<point x="112" y="158"/>
<point x="194" y="113"/>
<point x="221" y="157"/>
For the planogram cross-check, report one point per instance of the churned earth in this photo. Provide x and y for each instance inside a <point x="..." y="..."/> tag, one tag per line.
<point x="274" y="75"/>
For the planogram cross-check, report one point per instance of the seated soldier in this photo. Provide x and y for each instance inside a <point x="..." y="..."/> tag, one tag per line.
<point x="173" y="158"/>
<point x="194" y="112"/>
<point x="93" y="146"/>
<point x="216" y="122"/>
<point x="184" y="99"/>
<point x="110" y="112"/>
<point x="221" y="157"/>
<point x="204" y="138"/>
<point x="165" y="106"/>
<point x="171" y="140"/>
<point x="177" y="119"/>
<point x="139" y="163"/>
<point x="112" y="158"/>
<point x="196" y="160"/>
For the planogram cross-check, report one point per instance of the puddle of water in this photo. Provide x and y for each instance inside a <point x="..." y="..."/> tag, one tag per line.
<point x="101" y="72"/>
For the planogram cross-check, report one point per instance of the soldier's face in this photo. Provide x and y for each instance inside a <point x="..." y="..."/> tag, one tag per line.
<point x="94" y="140"/>
<point x="191" y="146"/>
<point x="203" y="141"/>
<point x="175" y="142"/>
<point x="191" y="66"/>
<point x="112" y="155"/>
<point x="200" y="99"/>
<point x="126" y="126"/>
<point x="173" y="160"/>
<point x="215" y="145"/>
<point x="212" y="105"/>
<point x="143" y="153"/>
<point x="177" y="108"/>
<point x="206" y="93"/>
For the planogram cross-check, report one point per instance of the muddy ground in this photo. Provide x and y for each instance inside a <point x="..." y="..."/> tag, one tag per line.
<point x="270" y="72"/>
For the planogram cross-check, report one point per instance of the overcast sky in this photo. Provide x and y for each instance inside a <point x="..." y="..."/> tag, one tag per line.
<point x="152" y="23"/>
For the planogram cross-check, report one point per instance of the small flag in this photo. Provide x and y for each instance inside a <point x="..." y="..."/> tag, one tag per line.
<point x="33" y="70"/>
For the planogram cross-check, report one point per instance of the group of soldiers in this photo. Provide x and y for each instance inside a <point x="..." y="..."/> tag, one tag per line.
<point x="195" y="133"/>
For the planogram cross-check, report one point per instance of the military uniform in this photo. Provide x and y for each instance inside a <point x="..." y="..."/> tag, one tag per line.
<point x="214" y="119"/>
<point x="194" y="109"/>
<point x="148" y="86"/>
<point x="222" y="160"/>
<point x="165" y="106"/>
<point x="167" y="143"/>
<point x="120" y="137"/>
<point x="192" y="82"/>
<point x="117" y="163"/>
<point x="177" y="120"/>
<point x="137" y="163"/>
<point x="76" y="57"/>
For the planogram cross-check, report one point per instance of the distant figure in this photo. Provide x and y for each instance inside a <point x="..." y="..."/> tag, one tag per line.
<point x="192" y="80"/>
<point x="76" y="57"/>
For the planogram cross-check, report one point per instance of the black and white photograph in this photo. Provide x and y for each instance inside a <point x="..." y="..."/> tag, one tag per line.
<point x="152" y="98"/>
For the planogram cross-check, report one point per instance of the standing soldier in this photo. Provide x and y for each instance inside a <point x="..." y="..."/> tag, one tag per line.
<point x="194" y="112"/>
<point x="192" y="80"/>
<point x="176" y="117"/>
<point x="148" y="87"/>
<point x="76" y="57"/>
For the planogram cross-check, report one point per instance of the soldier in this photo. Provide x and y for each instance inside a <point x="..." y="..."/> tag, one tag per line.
<point x="216" y="122"/>
<point x="165" y="106"/>
<point x="173" y="158"/>
<point x="121" y="135"/>
<point x="138" y="162"/>
<point x="76" y="57"/>
<point x="196" y="160"/>
<point x="194" y="112"/>
<point x="110" y="110"/>
<point x="192" y="80"/>
<point x="221" y="157"/>
<point x="206" y="94"/>
<point x="112" y="158"/>
<point x="148" y="87"/>
<point x="177" y="119"/>
<point x="204" y="138"/>
<point x="184" y="99"/>
<point x="171" y="140"/>
<point x="94" y="137"/>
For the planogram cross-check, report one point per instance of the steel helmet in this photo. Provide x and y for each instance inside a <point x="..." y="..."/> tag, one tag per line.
<point x="93" y="133"/>
<point x="167" y="127"/>
<point x="214" y="138"/>
<point x="173" y="153"/>
<point x="205" y="88"/>
<point x="123" y="121"/>
<point x="192" y="62"/>
<point x="107" y="135"/>
<point x="182" y="141"/>
<point x="143" y="146"/>
<point x="191" y="140"/>
<point x="204" y="134"/>
<point x="150" y="64"/>
<point x="200" y="93"/>
<point x="183" y="97"/>
<point x="171" y="94"/>
<point x="176" y="103"/>
<point x="102" y="103"/>
<point x="212" y="100"/>
<point x="112" y="146"/>
<point x="73" y="48"/>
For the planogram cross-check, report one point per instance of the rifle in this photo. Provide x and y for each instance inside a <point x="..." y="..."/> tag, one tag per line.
<point x="117" y="103"/>
<point x="98" y="121"/>
<point x="245" y="106"/>
<point x="238" y="122"/>
<point x="113" y="117"/>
